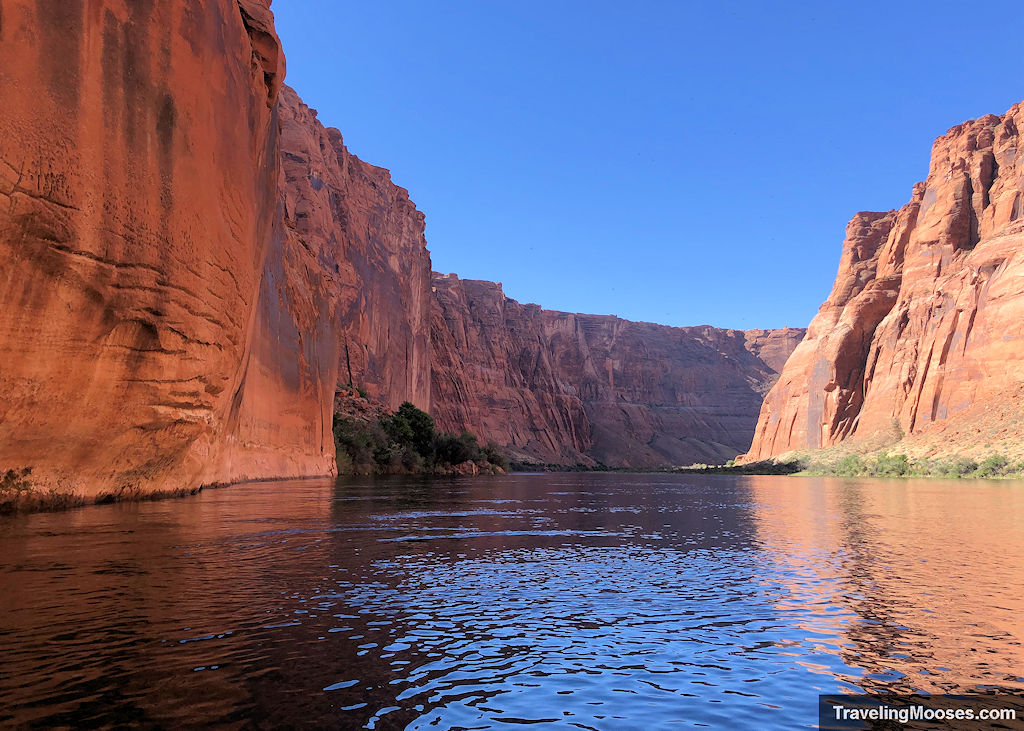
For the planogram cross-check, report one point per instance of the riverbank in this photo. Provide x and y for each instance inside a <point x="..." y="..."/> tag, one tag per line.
<point x="842" y="462"/>
<point x="20" y="497"/>
<point x="18" y="494"/>
<point x="825" y="463"/>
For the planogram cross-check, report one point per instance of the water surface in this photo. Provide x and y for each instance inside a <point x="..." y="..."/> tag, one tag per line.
<point x="593" y="601"/>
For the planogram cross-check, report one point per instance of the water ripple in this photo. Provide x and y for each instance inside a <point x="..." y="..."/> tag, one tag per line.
<point x="579" y="601"/>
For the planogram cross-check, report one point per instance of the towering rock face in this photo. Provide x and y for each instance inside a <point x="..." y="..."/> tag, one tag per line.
<point x="773" y="347"/>
<point x="344" y="296"/>
<point x="175" y="302"/>
<point x="570" y="388"/>
<point x="138" y="175"/>
<point x="925" y="322"/>
<point x="363" y="236"/>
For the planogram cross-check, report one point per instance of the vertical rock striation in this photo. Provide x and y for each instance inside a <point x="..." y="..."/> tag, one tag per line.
<point x="189" y="256"/>
<point x="138" y="180"/>
<point x="570" y="388"/>
<point x="925" y="322"/>
<point x="369" y="237"/>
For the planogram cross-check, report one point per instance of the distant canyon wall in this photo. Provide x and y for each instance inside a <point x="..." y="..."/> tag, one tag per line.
<point x="571" y="388"/>
<point x="924" y="327"/>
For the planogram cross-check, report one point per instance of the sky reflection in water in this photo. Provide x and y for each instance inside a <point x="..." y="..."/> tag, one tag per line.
<point x="574" y="600"/>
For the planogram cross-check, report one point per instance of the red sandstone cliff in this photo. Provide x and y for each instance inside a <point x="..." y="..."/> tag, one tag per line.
<point x="176" y="301"/>
<point x="192" y="263"/>
<point x="367" y="238"/>
<point x="138" y="169"/>
<point x="925" y="323"/>
<point x="571" y="388"/>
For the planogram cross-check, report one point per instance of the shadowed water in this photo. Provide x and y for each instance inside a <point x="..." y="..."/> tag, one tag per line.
<point x="587" y="601"/>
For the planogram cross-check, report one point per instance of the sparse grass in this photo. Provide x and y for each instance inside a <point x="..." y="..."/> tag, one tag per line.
<point x="764" y="467"/>
<point x="530" y="466"/>
<point x="886" y="464"/>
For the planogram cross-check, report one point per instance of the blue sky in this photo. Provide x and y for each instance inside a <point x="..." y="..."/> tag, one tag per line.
<point x="676" y="162"/>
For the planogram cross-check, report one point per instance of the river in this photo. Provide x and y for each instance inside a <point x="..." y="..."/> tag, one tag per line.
<point x="594" y="601"/>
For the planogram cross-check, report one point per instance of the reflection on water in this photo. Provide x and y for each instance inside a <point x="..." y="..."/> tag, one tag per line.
<point x="601" y="601"/>
<point x="931" y="571"/>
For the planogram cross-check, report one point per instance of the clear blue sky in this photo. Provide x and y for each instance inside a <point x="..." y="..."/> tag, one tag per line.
<point x="676" y="162"/>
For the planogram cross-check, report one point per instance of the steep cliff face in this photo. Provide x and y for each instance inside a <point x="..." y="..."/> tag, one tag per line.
<point x="344" y="298"/>
<point x="188" y="254"/>
<point x="570" y="388"/>
<point x="368" y="237"/>
<point x="282" y="414"/>
<point x="773" y="347"/>
<point x="137" y="210"/>
<point x="926" y="319"/>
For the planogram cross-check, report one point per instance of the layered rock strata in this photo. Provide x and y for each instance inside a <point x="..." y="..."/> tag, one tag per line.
<point x="177" y="303"/>
<point x="569" y="388"/>
<point x="925" y="322"/>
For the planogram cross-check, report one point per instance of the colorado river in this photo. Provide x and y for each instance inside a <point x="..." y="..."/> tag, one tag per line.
<point x="594" y="601"/>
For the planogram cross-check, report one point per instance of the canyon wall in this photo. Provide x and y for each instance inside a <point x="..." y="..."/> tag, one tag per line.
<point x="193" y="263"/>
<point x="924" y="327"/>
<point x="367" y="238"/>
<point x="138" y="170"/>
<point x="190" y="258"/>
<point x="569" y="388"/>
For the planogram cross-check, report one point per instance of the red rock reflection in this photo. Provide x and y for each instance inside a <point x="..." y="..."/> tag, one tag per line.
<point x="929" y="571"/>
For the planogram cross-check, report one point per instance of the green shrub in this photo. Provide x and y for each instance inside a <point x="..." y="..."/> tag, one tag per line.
<point x="405" y="441"/>
<point x="962" y="466"/>
<point x="421" y="427"/>
<point x="15" y="489"/>
<point x="345" y="464"/>
<point x="493" y="455"/>
<point x="850" y="466"/>
<point x="993" y="465"/>
<point x="927" y="468"/>
<point x="891" y="465"/>
<point x="16" y="481"/>
<point x="360" y="444"/>
<point x="453" y="450"/>
<point x="397" y="459"/>
<point x="410" y="460"/>
<point x="397" y="429"/>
